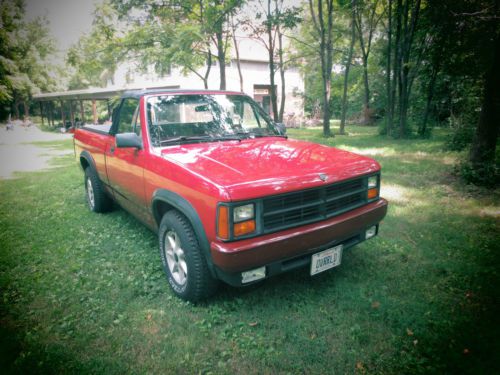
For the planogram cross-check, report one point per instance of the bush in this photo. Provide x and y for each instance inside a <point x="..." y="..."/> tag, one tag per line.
<point x="460" y="139"/>
<point x="486" y="174"/>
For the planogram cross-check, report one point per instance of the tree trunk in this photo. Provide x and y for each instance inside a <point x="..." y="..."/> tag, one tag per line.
<point x="237" y="51"/>
<point x="346" y="78"/>
<point x="221" y="58"/>
<point x="485" y="140"/>
<point x="430" y="94"/>
<point x="325" y="54"/>
<point x="282" y="75"/>
<point x="389" y="106"/>
<point x="366" y="99"/>
<point x="209" y="67"/>
<point x="270" y="50"/>
<point x="16" y="109"/>
<point x="26" y="110"/>
<point x="409" y="27"/>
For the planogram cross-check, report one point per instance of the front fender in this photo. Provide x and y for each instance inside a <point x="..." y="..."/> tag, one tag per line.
<point x="177" y="202"/>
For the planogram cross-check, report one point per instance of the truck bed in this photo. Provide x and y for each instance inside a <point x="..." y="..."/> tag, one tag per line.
<point x="100" y="129"/>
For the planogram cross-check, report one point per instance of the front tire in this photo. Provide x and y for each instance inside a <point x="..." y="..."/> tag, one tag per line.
<point x="97" y="200"/>
<point x="183" y="262"/>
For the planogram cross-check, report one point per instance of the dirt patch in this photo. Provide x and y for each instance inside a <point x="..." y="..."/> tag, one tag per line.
<point x="18" y="155"/>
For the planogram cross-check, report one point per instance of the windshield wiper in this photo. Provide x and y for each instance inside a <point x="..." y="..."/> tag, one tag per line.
<point x="227" y="137"/>
<point x="203" y="138"/>
<point x="261" y="135"/>
<point x="184" y="138"/>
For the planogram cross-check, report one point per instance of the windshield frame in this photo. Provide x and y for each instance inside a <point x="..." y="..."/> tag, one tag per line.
<point x="268" y="130"/>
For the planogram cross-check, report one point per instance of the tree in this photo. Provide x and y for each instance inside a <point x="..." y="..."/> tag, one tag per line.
<point x="347" y="68"/>
<point x="24" y="58"/>
<point x="366" y="17"/>
<point x="322" y="18"/>
<point x="271" y="19"/>
<point x="485" y="140"/>
<point x="407" y="16"/>
<point x="468" y="66"/>
<point x="180" y="32"/>
<point x="95" y="56"/>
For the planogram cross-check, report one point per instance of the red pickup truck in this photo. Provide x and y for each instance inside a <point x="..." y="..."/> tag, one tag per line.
<point x="230" y="196"/>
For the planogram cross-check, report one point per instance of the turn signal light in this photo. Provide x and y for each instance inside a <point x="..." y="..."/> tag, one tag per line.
<point x="245" y="227"/>
<point x="372" y="193"/>
<point x="223" y="223"/>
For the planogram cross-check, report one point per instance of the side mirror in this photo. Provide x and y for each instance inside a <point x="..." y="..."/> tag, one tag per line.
<point x="281" y="128"/>
<point x="127" y="140"/>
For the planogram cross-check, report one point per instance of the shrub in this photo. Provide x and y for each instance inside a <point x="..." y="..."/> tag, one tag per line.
<point x="485" y="174"/>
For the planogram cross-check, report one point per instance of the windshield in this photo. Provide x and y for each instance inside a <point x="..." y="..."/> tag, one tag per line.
<point x="203" y="117"/>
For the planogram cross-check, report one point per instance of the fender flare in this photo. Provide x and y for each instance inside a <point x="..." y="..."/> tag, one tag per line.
<point x="183" y="206"/>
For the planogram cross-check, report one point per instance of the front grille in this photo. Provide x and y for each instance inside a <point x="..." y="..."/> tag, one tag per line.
<point x="307" y="206"/>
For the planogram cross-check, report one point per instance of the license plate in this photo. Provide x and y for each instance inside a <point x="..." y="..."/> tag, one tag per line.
<point x="326" y="259"/>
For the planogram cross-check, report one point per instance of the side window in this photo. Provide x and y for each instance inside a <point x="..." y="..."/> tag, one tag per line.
<point x="128" y="115"/>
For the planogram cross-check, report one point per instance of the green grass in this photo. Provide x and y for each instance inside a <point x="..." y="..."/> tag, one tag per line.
<point x="85" y="293"/>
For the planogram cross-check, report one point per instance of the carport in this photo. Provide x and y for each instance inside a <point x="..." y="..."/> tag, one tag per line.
<point x="48" y="101"/>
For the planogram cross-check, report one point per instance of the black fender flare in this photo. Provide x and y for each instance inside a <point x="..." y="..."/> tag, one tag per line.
<point x="90" y="160"/>
<point x="183" y="206"/>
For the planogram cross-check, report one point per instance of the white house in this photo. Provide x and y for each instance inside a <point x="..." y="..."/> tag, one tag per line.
<point x="255" y="71"/>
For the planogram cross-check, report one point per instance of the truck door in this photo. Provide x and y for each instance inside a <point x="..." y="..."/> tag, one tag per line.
<point x="125" y="166"/>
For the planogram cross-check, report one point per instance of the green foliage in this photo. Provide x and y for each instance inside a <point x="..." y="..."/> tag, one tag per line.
<point x="95" y="57"/>
<point x="25" y="50"/>
<point x="148" y="35"/>
<point x="486" y="174"/>
<point x="460" y="138"/>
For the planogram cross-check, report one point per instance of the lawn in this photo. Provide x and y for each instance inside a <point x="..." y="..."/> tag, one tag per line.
<point x="85" y="293"/>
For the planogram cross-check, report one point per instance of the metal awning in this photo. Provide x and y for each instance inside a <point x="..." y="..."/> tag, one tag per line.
<point x="91" y="94"/>
<point x="87" y="94"/>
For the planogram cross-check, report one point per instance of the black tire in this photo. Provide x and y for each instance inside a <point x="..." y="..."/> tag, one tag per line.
<point x="183" y="262"/>
<point x="97" y="199"/>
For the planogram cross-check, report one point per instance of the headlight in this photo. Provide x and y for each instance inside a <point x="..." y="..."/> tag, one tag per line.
<point x="372" y="182"/>
<point x="372" y="187"/>
<point x="243" y="222"/>
<point x="243" y="213"/>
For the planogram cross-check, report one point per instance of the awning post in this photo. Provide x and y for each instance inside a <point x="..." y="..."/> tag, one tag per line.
<point x="94" y="110"/>
<point x="41" y="111"/>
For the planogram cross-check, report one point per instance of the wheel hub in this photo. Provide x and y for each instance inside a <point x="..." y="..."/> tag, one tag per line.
<point x="175" y="256"/>
<point x="90" y="193"/>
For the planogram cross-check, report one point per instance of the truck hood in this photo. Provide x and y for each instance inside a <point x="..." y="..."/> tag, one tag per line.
<point x="265" y="166"/>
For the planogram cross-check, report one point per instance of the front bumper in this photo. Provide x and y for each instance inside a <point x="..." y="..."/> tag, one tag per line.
<point x="291" y="248"/>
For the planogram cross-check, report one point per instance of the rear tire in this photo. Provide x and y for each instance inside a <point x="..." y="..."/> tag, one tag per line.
<point x="97" y="199"/>
<point x="183" y="262"/>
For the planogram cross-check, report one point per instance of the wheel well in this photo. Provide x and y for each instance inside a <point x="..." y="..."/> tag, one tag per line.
<point x="160" y="208"/>
<point x="84" y="163"/>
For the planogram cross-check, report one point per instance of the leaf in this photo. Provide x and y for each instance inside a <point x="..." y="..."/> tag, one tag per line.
<point x="375" y="304"/>
<point x="360" y="367"/>
<point x="253" y="324"/>
<point x="409" y="332"/>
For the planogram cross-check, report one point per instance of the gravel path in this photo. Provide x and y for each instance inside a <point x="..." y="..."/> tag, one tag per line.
<point x="18" y="155"/>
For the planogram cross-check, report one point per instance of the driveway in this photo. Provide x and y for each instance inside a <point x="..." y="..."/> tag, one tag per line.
<point x="17" y="154"/>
